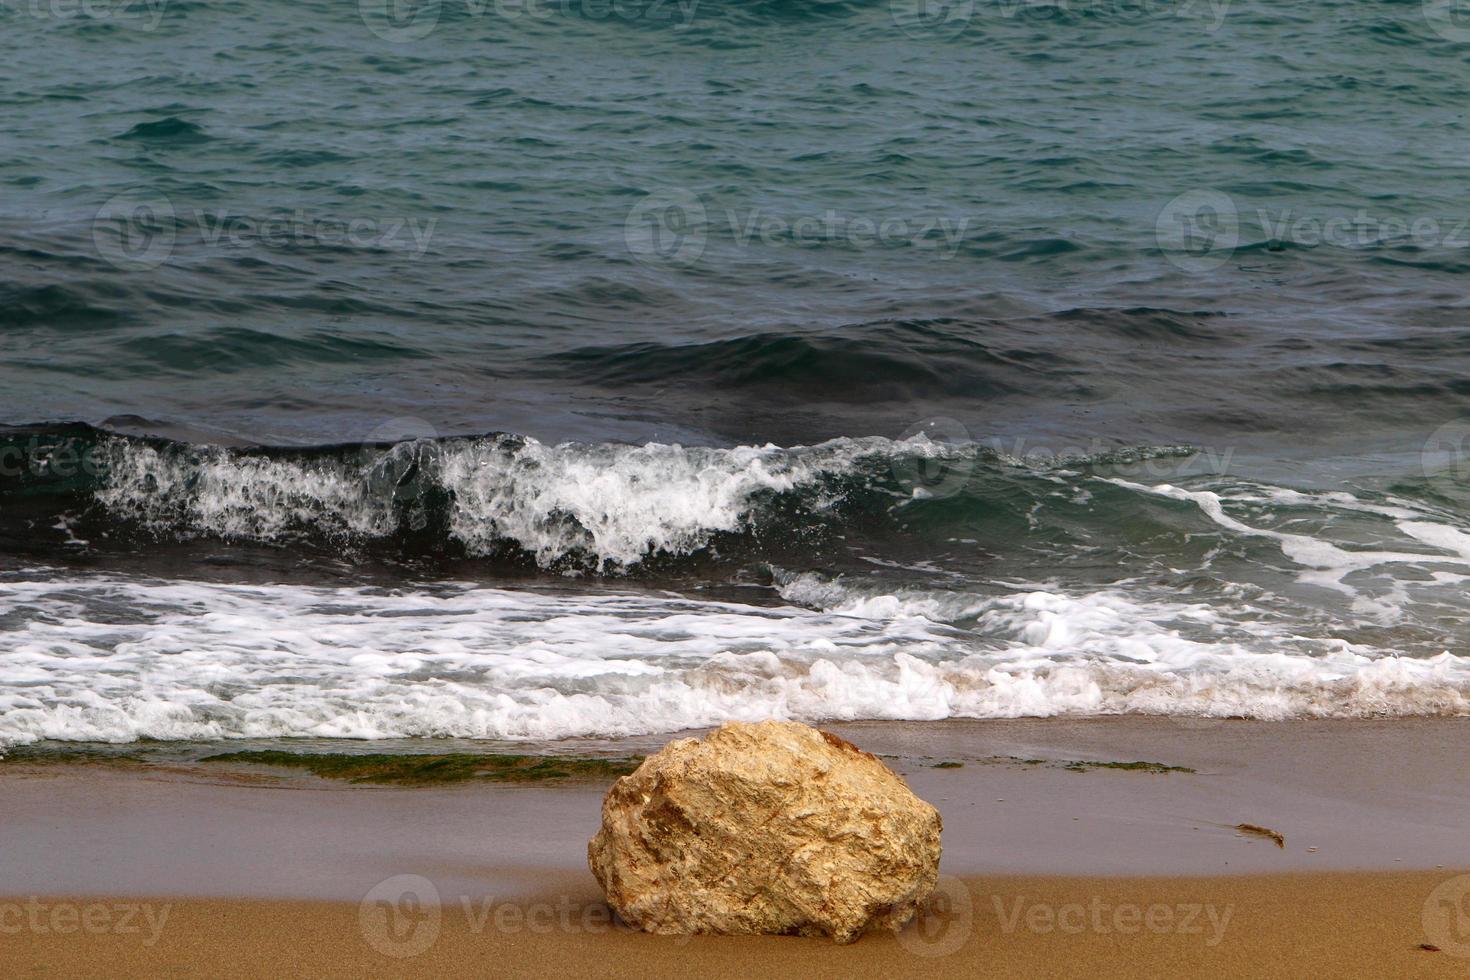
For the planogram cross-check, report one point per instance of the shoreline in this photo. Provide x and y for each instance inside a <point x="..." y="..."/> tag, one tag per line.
<point x="1346" y="795"/>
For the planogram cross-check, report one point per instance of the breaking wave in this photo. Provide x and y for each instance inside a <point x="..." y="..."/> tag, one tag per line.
<point x="570" y="507"/>
<point x="860" y="578"/>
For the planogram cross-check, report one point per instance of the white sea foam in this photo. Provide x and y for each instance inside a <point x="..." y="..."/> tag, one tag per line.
<point x="622" y="503"/>
<point x="617" y="504"/>
<point x="1325" y="563"/>
<point x="114" y="658"/>
<point x="216" y="492"/>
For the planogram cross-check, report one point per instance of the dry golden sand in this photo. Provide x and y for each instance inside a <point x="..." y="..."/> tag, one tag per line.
<point x="1319" y="925"/>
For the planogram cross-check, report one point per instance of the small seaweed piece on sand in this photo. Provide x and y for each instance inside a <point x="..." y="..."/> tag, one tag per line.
<point x="424" y="770"/>
<point x="1082" y="765"/>
<point x="1129" y="766"/>
<point x="1266" y="832"/>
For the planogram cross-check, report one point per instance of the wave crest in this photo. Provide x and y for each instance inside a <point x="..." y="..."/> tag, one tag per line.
<point x="601" y="508"/>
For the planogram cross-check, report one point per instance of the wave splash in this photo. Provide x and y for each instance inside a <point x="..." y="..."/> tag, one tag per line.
<point x="572" y="508"/>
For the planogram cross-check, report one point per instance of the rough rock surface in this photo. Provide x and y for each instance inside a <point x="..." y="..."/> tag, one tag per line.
<point x="767" y="828"/>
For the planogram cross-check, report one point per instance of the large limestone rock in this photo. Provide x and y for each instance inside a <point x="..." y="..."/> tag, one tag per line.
<point x="768" y="828"/>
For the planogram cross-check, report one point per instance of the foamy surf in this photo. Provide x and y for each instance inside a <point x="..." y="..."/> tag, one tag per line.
<point x="113" y="658"/>
<point x="852" y="579"/>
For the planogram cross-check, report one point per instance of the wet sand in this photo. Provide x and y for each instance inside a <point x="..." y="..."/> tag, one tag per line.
<point x="1048" y="870"/>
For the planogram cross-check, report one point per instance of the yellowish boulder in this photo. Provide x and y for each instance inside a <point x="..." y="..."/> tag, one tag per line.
<point x="768" y="828"/>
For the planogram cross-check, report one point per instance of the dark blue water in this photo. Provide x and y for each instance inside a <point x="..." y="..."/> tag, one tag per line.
<point x="737" y="222"/>
<point x="1120" y="345"/>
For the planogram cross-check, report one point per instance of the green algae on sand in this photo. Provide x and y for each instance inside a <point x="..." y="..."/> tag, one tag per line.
<point x="1080" y="765"/>
<point x="422" y="769"/>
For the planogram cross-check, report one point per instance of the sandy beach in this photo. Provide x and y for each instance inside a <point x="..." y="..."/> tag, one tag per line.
<point x="1328" y="924"/>
<point x="1064" y="856"/>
